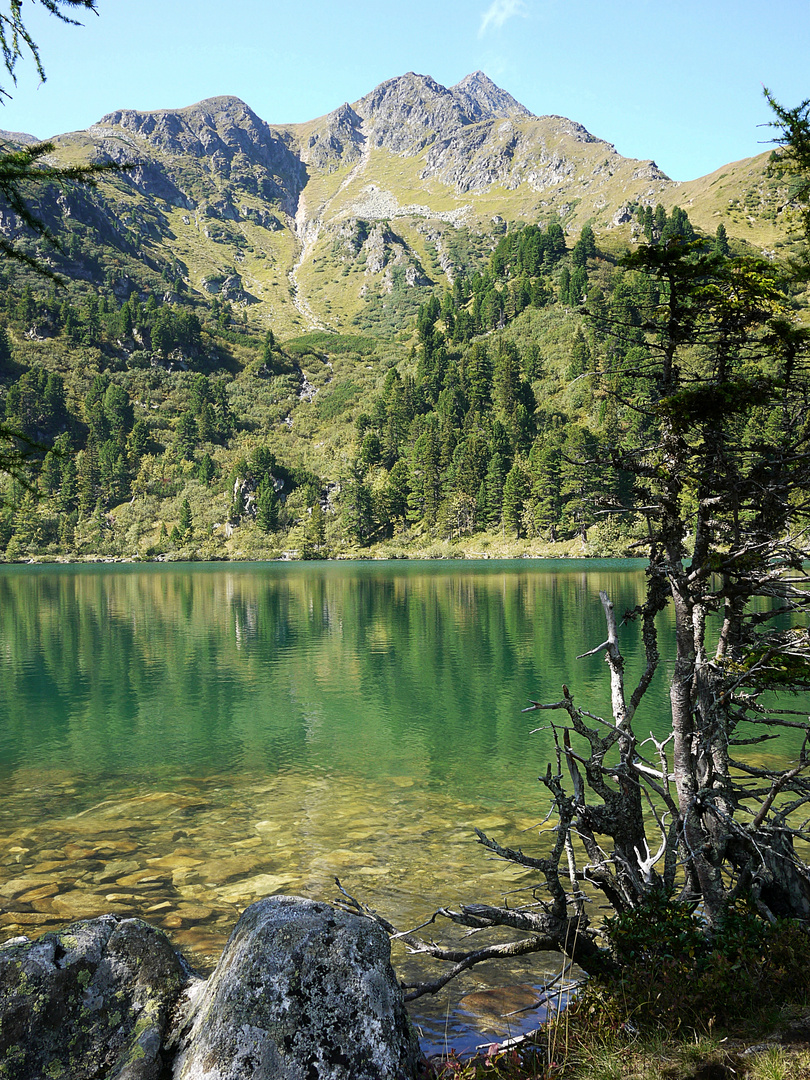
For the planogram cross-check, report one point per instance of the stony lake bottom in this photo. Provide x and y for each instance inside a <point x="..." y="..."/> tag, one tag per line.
<point x="179" y="741"/>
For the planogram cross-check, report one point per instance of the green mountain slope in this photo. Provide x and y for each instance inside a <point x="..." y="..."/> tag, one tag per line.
<point x="359" y="333"/>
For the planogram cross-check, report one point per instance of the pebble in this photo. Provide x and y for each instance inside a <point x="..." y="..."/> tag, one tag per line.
<point x="75" y="852"/>
<point x="41" y="893"/>
<point x="116" y="847"/>
<point x="17" y="886"/>
<point x="184" y="877"/>
<point x="174" y="862"/>
<point x="25" y="918"/>
<point x="220" y="871"/>
<point x="194" y="912"/>
<point x="115" y="869"/>
<point x="141" y="878"/>
<point x="77" y="904"/>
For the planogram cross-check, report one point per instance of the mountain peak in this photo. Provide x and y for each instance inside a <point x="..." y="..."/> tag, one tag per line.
<point x="482" y="99"/>
<point x="235" y="144"/>
<point x="408" y="113"/>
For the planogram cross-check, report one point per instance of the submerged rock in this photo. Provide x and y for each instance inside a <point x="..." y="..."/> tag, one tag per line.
<point x="89" y="1001"/>
<point x="301" y="990"/>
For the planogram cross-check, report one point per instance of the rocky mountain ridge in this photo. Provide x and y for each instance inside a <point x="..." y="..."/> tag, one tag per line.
<point x="349" y="218"/>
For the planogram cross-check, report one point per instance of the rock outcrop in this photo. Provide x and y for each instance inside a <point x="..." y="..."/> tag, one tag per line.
<point x="235" y="145"/>
<point x="90" y="1001"/>
<point x="481" y="99"/>
<point x="302" y="990"/>
<point x="337" y="139"/>
<point x="408" y="113"/>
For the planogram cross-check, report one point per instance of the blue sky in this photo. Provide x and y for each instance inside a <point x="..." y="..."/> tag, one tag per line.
<point x="679" y="83"/>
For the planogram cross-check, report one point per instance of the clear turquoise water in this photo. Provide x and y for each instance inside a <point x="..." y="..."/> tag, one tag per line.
<point x="176" y="741"/>
<point x="369" y="669"/>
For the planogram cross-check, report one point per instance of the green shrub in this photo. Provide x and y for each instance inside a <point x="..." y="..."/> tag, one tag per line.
<point x="332" y="403"/>
<point x="321" y="341"/>
<point x="673" y="971"/>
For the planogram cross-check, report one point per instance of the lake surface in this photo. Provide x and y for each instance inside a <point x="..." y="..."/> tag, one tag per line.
<point x="177" y="741"/>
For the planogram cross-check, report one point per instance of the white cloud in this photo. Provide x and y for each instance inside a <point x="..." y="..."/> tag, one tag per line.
<point x="499" y="11"/>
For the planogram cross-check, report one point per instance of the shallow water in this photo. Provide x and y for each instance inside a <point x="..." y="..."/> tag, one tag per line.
<point x="176" y="742"/>
<point x="191" y="858"/>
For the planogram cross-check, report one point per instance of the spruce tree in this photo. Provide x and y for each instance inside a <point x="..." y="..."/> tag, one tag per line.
<point x="506" y="377"/>
<point x="66" y="533"/>
<point x="721" y="247"/>
<point x="357" y="506"/>
<point x="544" y="464"/>
<point x="649" y="225"/>
<point x="581" y="359"/>
<point x="186" y="523"/>
<point x="316" y="529"/>
<point x="515" y="492"/>
<point x="565" y="286"/>
<point x="87" y="476"/>
<point x="138" y="440"/>
<point x="584" y="248"/>
<point x="478" y="376"/>
<point x="397" y="491"/>
<point x="660" y="221"/>
<point x="206" y="470"/>
<point x="267" y="506"/>
<point x="98" y="523"/>
<point x="51" y="474"/>
<point x="66" y="500"/>
<point x="493" y="489"/>
<point x="578" y="288"/>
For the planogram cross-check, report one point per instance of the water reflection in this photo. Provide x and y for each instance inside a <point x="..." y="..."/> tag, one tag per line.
<point x="361" y="669"/>
<point x="178" y="741"/>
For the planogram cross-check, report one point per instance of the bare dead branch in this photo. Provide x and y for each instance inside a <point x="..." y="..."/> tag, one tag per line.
<point x="491" y="952"/>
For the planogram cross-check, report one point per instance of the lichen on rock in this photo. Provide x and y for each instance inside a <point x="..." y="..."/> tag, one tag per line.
<point x="90" y="1001"/>
<point x="301" y="990"/>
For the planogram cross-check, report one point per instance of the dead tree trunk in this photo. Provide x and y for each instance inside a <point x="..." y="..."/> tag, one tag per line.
<point x="723" y="475"/>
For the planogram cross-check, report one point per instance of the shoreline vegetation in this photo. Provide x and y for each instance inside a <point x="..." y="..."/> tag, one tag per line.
<point x="570" y="1055"/>
<point x="482" y="547"/>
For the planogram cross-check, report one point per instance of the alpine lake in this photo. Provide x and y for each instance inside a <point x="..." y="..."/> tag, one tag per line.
<point x="178" y="741"/>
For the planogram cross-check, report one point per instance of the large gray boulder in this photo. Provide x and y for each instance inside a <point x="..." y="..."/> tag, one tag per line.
<point x="89" y="1002"/>
<point x="302" y="991"/>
